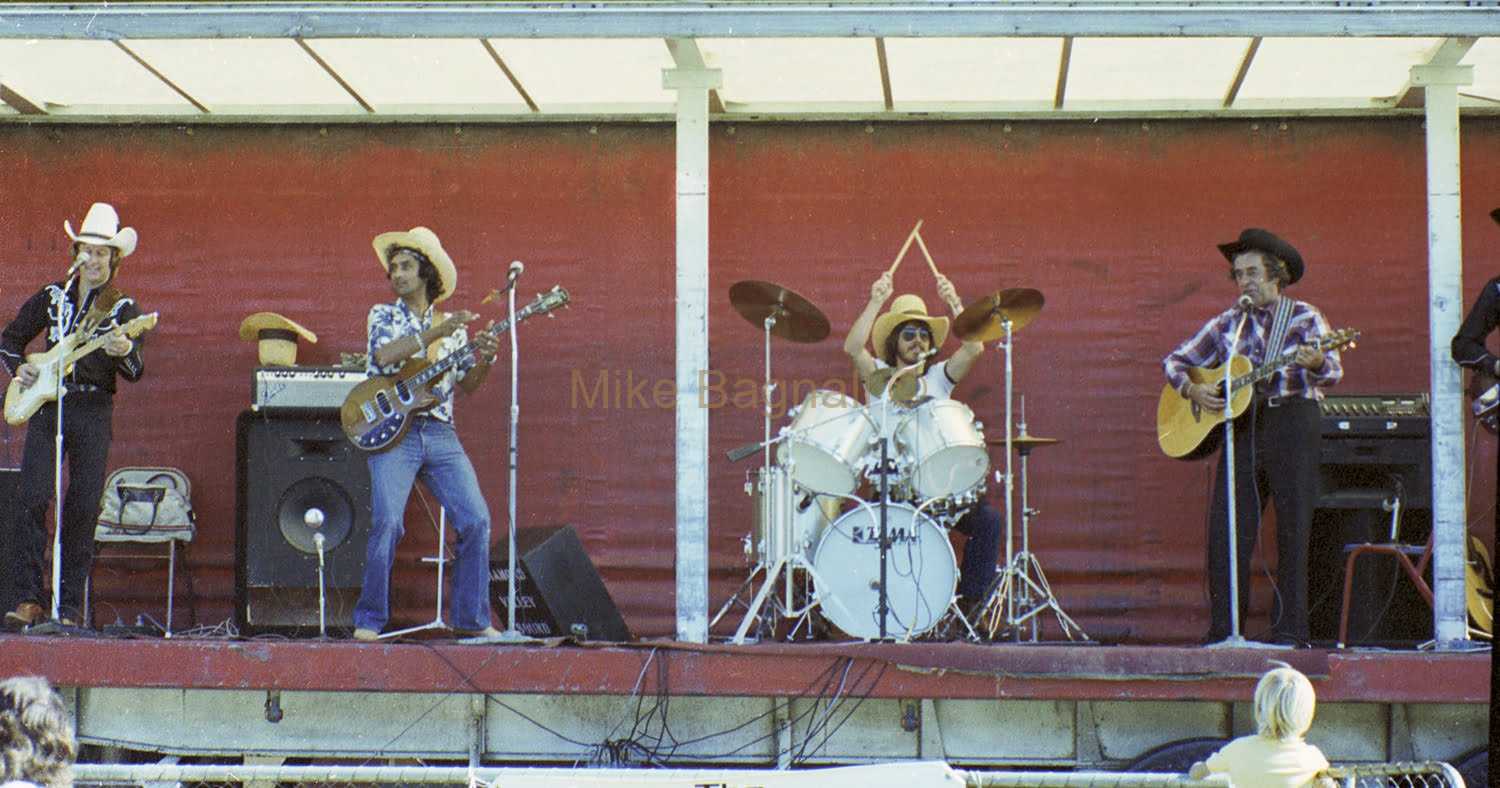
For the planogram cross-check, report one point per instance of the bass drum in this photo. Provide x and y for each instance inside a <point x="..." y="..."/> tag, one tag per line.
<point x="921" y="572"/>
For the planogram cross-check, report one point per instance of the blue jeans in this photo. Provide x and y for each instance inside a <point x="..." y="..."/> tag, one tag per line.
<point x="430" y="451"/>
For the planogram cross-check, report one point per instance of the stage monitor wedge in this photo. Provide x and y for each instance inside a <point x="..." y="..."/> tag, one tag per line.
<point x="558" y="591"/>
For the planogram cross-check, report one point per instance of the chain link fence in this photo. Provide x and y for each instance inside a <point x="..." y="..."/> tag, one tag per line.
<point x="920" y="774"/>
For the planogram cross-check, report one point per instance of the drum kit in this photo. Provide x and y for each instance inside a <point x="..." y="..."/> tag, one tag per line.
<point x="880" y="567"/>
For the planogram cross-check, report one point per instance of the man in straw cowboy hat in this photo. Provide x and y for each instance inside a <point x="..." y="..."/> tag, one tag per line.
<point x="421" y="275"/>
<point x="1276" y="442"/>
<point x="87" y="302"/>
<point x="908" y="337"/>
<point x="1469" y="351"/>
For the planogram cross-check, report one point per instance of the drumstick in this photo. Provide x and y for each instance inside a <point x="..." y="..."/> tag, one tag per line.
<point x="899" y="255"/>
<point x="930" y="264"/>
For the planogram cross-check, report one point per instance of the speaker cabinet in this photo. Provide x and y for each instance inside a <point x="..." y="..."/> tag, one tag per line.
<point x="1359" y="474"/>
<point x="10" y="480"/>
<point x="298" y="477"/>
<point x="558" y="592"/>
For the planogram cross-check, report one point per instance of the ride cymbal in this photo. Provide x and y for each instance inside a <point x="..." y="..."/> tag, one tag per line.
<point x="985" y="319"/>
<point x="796" y="317"/>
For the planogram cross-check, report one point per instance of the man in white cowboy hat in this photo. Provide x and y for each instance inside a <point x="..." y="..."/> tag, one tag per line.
<point x="1277" y="440"/>
<point x="421" y="275"/>
<point x="86" y="301"/>
<point x="908" y="337"/>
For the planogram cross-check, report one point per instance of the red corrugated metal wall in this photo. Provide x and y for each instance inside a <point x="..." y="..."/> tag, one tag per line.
<point x="1113" y="221"/>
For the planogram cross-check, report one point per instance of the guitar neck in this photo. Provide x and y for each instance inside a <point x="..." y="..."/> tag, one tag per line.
<point x="1264" y="370"/>
<point x="442" y="365"/>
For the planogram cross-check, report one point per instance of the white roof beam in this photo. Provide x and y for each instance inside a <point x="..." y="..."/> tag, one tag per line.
<point x="686" y="54"/>
<point x="323" y="64"/>
<point x="18" y="102"/>
<point x="793" y="18"/>
<point x="131" y="53"/>
<point x="1448" y="52"/>
<point x="515" y="81"/>
<point x="1239" y="74"/>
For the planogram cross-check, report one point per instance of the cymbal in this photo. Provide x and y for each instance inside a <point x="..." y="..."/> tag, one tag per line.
<point x="1024" y="442"/>
<point x="985" y="319"/>
<point x="907" y="386"/>
<point x="796" y="317"/>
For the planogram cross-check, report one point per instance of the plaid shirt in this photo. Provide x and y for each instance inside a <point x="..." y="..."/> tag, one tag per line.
<point x="1208" y="347"/>
<point x="389" y="322"/>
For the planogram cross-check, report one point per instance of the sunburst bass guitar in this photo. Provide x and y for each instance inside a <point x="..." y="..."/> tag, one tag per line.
<point x="1182" y="426"/>
<point x="21" y="404"/>
<point x="377" y="412"/>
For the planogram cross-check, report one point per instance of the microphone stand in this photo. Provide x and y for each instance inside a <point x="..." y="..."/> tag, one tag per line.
<point x="1231" y="497"/>
<point x="511" y="634"/>
<point x="57" y="451"/>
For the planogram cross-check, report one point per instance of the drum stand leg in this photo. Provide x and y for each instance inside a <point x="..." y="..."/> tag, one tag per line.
<point x="1021" y="591"/>
<point x="786" y="564"/>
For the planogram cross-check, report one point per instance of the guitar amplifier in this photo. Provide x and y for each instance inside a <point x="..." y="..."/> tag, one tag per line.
<point x="1401" y="415"/>
<point x="302" y="388"/>
<point x="1371" y="443"/>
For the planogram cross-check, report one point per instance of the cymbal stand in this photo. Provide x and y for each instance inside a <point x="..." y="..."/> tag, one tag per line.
<point x="1023" y="581"/>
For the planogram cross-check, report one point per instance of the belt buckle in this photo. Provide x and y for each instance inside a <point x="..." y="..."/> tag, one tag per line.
<point x="1275" y="401"/>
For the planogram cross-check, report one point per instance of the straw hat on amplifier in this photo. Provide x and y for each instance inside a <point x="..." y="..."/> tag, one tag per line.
<point x="277" y="337"/>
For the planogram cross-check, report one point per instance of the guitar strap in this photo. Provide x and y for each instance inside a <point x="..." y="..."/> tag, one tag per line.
<point x="1280" y="322"/>
<point x="432" y="349"/>
<point x="103" y="305"/>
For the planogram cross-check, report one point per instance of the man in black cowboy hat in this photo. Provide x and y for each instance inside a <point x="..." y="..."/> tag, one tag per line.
<point x="85" y="302"/>
<point x="1277" y="440"/>
<point x="1469" y="351"/>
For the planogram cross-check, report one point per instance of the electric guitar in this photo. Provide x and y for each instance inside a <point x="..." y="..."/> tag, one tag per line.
<point x="1479" y="586"/>
<point x="377" y="412"/>
<point x="1484" y="400"/>
<point x="1182" y="426"/>
<point x="57" y="362"/>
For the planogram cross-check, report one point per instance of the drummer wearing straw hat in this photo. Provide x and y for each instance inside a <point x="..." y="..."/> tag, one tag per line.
<point x="85" y="302"/>
<point x="421" y="275"/>
<point x="908" y="338"/>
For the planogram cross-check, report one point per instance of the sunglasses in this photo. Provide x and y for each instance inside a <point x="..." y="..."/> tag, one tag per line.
<point x="910" y="333"/>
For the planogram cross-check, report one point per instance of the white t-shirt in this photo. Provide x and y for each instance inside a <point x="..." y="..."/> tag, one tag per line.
<point x="1260" y="762"/>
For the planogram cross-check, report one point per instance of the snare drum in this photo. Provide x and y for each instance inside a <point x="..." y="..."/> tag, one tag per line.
<point x="826" y="441"/>
<point x="946" y="449"/>
<point x="921" y="572"/>
<point x="786" y="521"/>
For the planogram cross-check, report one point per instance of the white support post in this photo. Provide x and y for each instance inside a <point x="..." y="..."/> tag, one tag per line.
<point x="1445" y="285"/>
<point x="692" y="86"/>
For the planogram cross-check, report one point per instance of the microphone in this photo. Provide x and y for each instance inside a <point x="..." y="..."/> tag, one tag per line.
<point x="516" y="268"/>
<point x="78" y="263"/>
<point x="1245" y="303"/>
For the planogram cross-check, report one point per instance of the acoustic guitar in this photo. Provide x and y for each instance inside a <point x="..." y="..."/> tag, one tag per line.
<point x="1182" y="426"/>
<point x="21" y="404"/>
<point x="376" y="413"/>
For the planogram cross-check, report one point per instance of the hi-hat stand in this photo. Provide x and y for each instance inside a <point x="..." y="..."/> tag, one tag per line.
<point x="1022" y="593"/>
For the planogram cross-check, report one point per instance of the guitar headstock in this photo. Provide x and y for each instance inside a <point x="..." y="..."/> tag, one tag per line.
<point x="1340" y="339"/>
<point x="546" y="302"/>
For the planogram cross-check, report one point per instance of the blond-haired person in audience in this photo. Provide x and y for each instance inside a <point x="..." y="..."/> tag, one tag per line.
<point x="1275" y="756"/>
<point x="36" y="737"/>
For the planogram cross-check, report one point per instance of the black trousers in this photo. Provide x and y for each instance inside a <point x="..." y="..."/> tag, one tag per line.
<point x="87" y="431"/>
<point x="1275" y="457"/>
